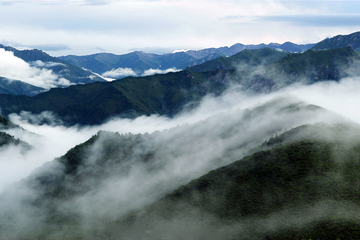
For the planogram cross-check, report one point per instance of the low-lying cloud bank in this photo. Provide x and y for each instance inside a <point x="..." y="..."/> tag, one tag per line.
<point x="127" y="72"/>
<point x="119" y="73"/>
<point x="36" y="74"/>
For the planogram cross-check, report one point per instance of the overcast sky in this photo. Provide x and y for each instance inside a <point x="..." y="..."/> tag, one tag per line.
<point x="81" y="27"/>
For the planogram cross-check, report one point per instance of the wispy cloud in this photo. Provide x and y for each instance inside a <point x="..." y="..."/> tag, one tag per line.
<point x="41" y="64"/>
<point x="49" y="47"/>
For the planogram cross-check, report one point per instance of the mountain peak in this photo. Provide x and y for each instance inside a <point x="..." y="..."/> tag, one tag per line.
<point x="339" y="41"/>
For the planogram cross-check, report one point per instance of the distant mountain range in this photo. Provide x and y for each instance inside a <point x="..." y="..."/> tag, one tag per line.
<point x="136" y="63"/>
<point x="71" y="69"/>
<point x="259" y="71"/>
<point x="106" y="64"/>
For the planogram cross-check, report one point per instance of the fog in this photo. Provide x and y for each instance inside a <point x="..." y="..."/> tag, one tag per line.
<point x="341" y="97"/>
<point x="218" y="132"/>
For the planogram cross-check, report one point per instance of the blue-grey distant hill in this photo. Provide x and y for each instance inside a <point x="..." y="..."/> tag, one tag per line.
<point x="139" y="61"/>
<point x="16" y="87"/>
<point x="168" y="94"/>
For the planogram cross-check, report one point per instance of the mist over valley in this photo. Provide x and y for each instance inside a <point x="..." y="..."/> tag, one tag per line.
<point x="259" y="144"/>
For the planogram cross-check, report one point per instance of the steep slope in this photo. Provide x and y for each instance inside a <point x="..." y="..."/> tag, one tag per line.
<point x="340" y="41"/>
<point x="319" y="65"/>
<point x="7" y="124"/>
<point x="87" y="192"/>
<point x="245" y="59"/>
<point x="267" y="70"/>
<point x="7" y="140"/>
<point x="308" y="67"/>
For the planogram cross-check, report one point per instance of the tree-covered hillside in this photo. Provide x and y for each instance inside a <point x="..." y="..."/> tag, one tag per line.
<point x="303" y="189"/>
<point x="168" y="94"/>
<point x="246" y="59"/>
<point x="130" y="97"/>
<point x="162" y="183"/>
<point x="340" y="41"/>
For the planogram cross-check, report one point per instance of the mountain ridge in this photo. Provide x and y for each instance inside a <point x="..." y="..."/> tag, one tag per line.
<point x="339" y="41"/>
<point x="168" y="94"/>
<point x="103" y="62"/>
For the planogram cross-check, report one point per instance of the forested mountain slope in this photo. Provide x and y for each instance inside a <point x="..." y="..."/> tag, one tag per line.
<point x="114" y="183"/>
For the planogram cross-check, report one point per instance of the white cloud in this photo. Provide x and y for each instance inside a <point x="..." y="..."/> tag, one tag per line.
<point x="341" y="97"/>
<point x="53" y="141"/>
<point x="181" y="150"/>
<point x="125" y="72"/>
<point x="41" y="64"/>
<point x="181" y="50"/>
<point x="119" y="73"/>
<point x="180" y="154"/>
<point x="152" y="71"/>
<point x="12" y="67"/>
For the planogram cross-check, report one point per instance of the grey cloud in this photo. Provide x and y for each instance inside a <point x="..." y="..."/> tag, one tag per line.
<point x="50" y="47"/>
<point x="7" y="3"/>
<point x="44" y="47"/>
<point x="100" y="49"/>
<point x="301" y="20"/>
<point x="156" y="50"/>
<point x="316" y="20"/>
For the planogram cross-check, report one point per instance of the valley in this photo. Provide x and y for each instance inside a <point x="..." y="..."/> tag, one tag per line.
<point x="262" y="144"/>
